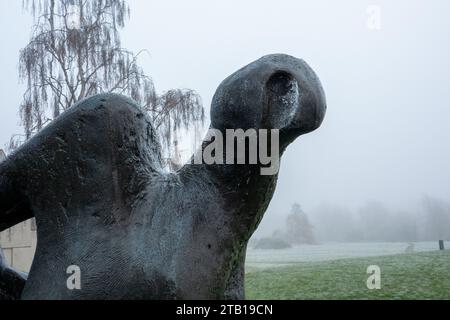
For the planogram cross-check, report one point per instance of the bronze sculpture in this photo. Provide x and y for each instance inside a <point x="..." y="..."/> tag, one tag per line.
<point x="94" y="182"/>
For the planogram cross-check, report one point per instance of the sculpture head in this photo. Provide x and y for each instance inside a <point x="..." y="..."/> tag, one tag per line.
<point x="275" y="92"/>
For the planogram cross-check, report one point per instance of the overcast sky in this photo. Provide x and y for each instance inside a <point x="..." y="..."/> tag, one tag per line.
<point x="386" y="134"/>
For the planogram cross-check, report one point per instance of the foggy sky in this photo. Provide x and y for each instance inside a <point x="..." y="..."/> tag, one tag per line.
<point x="386" y="134"/>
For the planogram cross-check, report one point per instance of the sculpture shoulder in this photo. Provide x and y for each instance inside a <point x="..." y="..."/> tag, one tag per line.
<point x="92" y="118"/>
<point x="103" y="139"/>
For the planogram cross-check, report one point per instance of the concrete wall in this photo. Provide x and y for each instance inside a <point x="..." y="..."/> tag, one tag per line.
<point x="19" y="245"/>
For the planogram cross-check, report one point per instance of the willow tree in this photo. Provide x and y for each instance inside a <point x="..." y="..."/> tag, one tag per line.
<point x="75" y="52"/>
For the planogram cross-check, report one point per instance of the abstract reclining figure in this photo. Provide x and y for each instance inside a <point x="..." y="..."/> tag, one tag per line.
<point x="93" y="180"/>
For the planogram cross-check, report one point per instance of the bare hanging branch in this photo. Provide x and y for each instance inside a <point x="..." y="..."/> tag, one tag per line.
<point x="75" y="52"/>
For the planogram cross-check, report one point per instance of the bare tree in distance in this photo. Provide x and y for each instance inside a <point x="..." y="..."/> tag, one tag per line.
<point x="299" y="230"/>
<point x="75" y="52"/>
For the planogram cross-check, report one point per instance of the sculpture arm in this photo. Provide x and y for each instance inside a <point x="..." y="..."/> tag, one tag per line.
<point x="14" y="208"/>
<point x="14" y="203"/>
<point x="11" y="282"/>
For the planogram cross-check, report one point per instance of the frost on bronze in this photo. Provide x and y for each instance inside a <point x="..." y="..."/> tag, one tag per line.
<point x="94" y="181"/>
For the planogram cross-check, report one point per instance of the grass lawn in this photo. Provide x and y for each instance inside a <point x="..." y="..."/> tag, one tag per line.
<point x="404" y="276"/>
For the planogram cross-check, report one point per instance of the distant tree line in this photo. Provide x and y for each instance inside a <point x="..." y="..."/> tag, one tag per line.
<point x="428" y="221"/>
